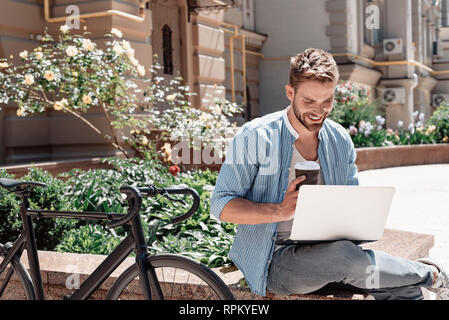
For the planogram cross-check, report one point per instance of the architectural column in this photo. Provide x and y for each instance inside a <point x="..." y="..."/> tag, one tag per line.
<point x="208" y="61"/>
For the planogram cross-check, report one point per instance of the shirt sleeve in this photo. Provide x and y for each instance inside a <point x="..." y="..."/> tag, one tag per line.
<point x="238" y="172"/>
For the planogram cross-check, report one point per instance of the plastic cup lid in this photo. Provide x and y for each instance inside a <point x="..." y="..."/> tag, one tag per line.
<point x="307" y="165"/>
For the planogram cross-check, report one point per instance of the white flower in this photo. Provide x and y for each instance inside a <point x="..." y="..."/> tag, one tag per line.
<point x="415" y="115"/>
<point x="411" y="128"/>
<point x="421" y="117"/>
<point x="129" y="50"/>
<point x="400" y="124"/>
<point x="126" y="45"/>
<point x="87" y="99"/>
<point x="232" y="109"/>
<point x="20" y="112"/>
<point x="4" y="65"/>
<point x="203" y="118"/>
<point x="39" y="55"/>
<point x="134" y="61"/>
<point x="116" y="32"/>
<point x="64" y="28"/>
<point x="71" y="51"/>
<point x="29" y="79"/>
<point x="141" y="70"/>
<point x="49" y="75"/>
<point x="88" y="45"/>
<point x="130" y="53"/>
<point x="23" y="54"/>
<point x="208" y="188"/>
<point x="171" y="97"/>
<point x="352" y="130"/>
<point x="118" y="49"/>
<point x="59" y="105"/>
<point x="217" y="110"/>
<point x="380" y="120"/>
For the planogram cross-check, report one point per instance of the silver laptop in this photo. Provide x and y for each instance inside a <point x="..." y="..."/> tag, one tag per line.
<point x="329" y="213"/>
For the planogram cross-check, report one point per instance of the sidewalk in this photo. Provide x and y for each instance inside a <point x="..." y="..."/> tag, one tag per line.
<point x="421" y="202"/>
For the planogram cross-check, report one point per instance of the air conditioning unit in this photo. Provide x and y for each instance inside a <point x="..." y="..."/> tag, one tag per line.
<point x="393" y="46"/>
<point x="393" y="95"/>
<point x="439" y="98"/>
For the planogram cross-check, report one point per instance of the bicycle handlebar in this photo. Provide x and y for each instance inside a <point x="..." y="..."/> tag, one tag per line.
<point x="134" y="198"/>
<point x="152" y="191"/>
<point x="134" y="203"/>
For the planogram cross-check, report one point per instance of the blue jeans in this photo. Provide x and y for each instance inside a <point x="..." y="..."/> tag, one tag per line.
<point x="301" y="269"/>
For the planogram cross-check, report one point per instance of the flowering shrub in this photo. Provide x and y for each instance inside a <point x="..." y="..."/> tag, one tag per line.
<point x="352" y="105"/>
<point x="353" y="110"/>
<point x="375" y="135"/>
<point x="440" y="120"/>
<point x="72" y="74"/>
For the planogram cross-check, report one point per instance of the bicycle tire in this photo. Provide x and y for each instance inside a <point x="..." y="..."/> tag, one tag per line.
<point x="24" y="278"/>
<point x="213" y="283"/>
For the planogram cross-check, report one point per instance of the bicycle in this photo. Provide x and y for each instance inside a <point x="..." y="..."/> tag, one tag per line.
<point x="146" y="276"/>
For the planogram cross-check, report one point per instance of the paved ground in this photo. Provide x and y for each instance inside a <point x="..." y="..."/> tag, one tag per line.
<point x="421" y="202"/>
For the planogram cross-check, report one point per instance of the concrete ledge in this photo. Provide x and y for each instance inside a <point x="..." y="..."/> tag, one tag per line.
<point x="57" y="267"/>
<point x="395" y="156"/>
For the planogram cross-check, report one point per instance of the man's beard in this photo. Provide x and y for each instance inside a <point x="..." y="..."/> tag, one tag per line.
<point x="302" y="119"/>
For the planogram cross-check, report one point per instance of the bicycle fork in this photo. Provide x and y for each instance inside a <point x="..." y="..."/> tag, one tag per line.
<point x="147" y="276"/>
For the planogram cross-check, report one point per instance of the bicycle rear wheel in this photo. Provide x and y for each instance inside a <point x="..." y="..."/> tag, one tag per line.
<point x="180" y="278"/>
<point x="15" y="282"/>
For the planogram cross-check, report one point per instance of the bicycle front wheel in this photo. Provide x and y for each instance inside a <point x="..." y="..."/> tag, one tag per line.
<point x="15" y="282"/>
<point x="180" y="278"/>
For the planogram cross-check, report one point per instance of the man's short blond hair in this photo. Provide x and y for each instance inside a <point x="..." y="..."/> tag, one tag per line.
<point x="313" y="64"/>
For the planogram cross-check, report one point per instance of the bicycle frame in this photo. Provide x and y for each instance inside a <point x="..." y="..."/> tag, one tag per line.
<point x="134" y="241"/>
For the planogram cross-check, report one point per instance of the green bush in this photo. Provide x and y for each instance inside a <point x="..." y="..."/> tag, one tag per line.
<point x="440" y="119"/>
<point x="352" y="105"/>
<point x="10" y="223"/>
<point x="201" y="237"/>
<point x="48" y="231"/>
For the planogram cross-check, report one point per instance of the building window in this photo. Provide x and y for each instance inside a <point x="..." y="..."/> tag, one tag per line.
<point x="444" y="15"/>
<point x="168" y="49"/>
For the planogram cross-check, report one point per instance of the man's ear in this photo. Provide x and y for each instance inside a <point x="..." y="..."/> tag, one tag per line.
<point x="289" y="92"/>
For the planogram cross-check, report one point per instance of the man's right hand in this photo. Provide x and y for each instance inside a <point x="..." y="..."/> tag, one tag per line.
<point x="286" y="209"/>
<point x="243" y="211"/>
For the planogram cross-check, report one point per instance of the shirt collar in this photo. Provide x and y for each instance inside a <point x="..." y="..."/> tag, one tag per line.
<point x="288" y="123"/>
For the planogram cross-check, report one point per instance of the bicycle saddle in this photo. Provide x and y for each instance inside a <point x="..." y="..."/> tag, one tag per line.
<point x="9" y="184"/>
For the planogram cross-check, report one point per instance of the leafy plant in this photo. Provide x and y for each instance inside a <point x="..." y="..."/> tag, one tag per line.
<point x="48" y="231"/>
<point x="440" y="119"/>
<point x="89" y="239"/>
<point x="352" y="105"/>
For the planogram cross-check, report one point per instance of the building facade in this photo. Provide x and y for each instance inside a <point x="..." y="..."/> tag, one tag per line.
<point x="238" y="49"/>
<point x="399" y="48"/>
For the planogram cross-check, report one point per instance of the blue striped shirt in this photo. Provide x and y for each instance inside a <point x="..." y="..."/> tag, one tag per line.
<point x="256" y="169"/>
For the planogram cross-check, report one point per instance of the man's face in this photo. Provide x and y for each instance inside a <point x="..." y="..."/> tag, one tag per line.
<point x="312" y="102"/>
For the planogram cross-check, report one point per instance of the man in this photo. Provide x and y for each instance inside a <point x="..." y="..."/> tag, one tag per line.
<point x="256" y="190"/>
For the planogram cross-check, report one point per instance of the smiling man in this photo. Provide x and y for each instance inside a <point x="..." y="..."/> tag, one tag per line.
<point x="256" y="189"/>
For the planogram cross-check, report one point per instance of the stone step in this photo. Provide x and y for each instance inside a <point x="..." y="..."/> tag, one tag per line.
<point x="57" y="267"/>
